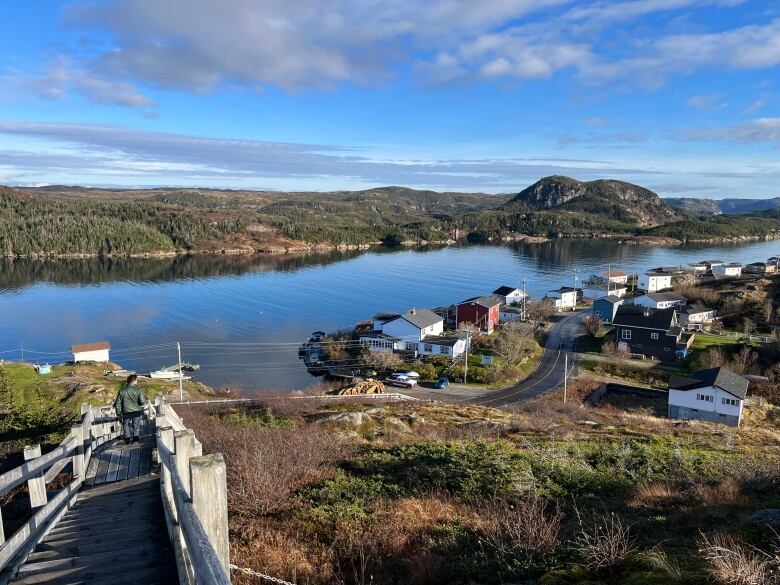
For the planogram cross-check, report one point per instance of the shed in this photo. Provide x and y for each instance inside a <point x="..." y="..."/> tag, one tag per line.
<point x="605" y="308"/>
<point x="91" y="352"/>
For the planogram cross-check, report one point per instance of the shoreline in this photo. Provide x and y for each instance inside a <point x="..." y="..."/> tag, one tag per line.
<point x="625" y="239"/>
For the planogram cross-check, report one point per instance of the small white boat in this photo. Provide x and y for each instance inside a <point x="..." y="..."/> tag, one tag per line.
<point x="167" y="375"/>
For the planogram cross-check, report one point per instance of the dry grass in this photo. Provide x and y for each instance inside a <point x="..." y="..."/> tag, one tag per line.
<point x="731" y="562"/>
<point x="527" y="528"/>
<point x="605" y="544"/>
<point x="266" y="465"/>
<point x="656" y="495"/>
<point x="726" y="494"/>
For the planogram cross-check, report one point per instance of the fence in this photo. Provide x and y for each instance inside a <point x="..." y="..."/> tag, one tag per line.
<point x="738" y="336"/>
<point x="96" y="426"/>
<point x="194" y="493"/>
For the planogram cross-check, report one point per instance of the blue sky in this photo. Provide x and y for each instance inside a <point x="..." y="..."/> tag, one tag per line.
<point x="486" y="95"/>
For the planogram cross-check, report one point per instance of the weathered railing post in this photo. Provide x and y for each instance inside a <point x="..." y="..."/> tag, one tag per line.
<point x="35" y="485"/>
<point x="166" y="459"/>
<point x="208" y="489"/>
<point x="186" y="447"/>
<point x="78" y="455"/>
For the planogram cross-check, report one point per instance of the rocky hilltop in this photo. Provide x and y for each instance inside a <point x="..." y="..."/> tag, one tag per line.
<point x="617" y="199"/>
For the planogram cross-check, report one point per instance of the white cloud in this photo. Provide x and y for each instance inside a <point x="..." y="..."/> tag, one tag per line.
<point x="92" y="152"/>
<point x="753" y="131"/>
<point x="707" y="102"/>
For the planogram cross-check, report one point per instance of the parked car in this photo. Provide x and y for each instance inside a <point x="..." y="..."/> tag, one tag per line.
<point x="402" y="381"/>
<point x="407" y="373"/>
<point x="442" y="382"/>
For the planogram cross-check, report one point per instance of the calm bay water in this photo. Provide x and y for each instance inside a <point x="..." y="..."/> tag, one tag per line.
<point x="242" y="317"/>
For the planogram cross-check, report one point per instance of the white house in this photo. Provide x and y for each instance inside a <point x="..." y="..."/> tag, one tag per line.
<point x="403" y="332"/>
<point x="614" y="276"/>
<point x="451" y="346"/>
<point x="732" y="270"/>
<point x="660" y="300"/>
<point x="565" y="298"/>
<point x="695" y="316"/>
<point x="510" y="295"/>
<point x="715" y="395"/>
<point x="597" y="290"/>
<point x="91" y="352"/>
<point x="654" y="281"/>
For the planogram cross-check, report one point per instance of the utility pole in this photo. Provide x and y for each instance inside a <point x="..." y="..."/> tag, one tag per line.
<point x="565" y="375"/>
<point x="21" y="346"/>
<point x="181" y="374"/>
<point x="466" y="360"/>
<point x="609" y="277"/>
<point x="525" y="297"/>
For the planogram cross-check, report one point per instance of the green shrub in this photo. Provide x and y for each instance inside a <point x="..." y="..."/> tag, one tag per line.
<point x="470" y="470"/>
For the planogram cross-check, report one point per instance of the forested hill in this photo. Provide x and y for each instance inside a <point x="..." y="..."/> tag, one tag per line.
<point x="73" y="221"/>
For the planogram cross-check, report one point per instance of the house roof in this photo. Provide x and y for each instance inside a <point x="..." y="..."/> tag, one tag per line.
<point x="565" y="289"/>
<point x="487" y="301"/>
<point x="762" y="264"/>
<point x="711" y="262"/>
<point x="97" y="346"/>
<point x="612" y="299"/>
<point x="379" y="335"/>
<point x="722" y="378"/>
<point x="613" y="272"/>
<point x="633" y="316"/>
<point x="505" y="290"/>
<point x="421" y="318"/>
<point x="386" y="316"/>
<point x="695" y="309"/>
<point x="661" y="297"/>
<point x="448" y="340"/>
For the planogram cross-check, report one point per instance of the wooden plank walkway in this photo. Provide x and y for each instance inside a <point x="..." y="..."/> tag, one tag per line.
<point x="115" y="533"/>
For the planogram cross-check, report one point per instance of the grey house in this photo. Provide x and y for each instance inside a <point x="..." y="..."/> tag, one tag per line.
<point x="605" y="308"/>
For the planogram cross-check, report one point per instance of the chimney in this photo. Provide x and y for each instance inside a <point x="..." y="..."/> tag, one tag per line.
<point x="413" y="311"/>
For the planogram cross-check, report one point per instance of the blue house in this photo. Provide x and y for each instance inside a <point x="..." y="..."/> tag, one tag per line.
<point x="605" y="308"/>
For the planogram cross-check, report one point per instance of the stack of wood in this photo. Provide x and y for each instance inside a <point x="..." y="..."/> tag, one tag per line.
<point x="364" y="387"/>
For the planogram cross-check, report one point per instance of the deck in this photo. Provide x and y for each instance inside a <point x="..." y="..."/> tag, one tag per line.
<point x="115" y="532"/>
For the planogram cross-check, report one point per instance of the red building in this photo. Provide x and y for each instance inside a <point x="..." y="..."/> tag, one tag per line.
<point x="480" y="311"/>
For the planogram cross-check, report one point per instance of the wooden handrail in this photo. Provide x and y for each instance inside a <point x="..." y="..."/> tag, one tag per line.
<point x="95" y="427"/>
<point x="194" y="493"/>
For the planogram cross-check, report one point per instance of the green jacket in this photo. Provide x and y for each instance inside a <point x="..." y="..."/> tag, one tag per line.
<point x="131" y="398"/>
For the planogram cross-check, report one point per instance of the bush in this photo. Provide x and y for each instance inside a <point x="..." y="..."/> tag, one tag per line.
<point x="473" y="470"/>
<point x="606" y="544"/>
<point x="426" y="371"/>
<point x="731" y="562"/>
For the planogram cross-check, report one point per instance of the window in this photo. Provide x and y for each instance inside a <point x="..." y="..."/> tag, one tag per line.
<point x="428" y="347"/>
<point x="410" y="345"/>
<point x="598" y="313"/>
<point x="729" y="401"/>
<point x="667" y="349"/>
<point x="626" y="334"/>
<point x="444" y="350"/>
<point x="704" y="397"/>
<point x="654" y="336"/>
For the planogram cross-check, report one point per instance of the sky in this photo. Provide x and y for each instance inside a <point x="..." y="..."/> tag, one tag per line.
<point x="680" y="96"/>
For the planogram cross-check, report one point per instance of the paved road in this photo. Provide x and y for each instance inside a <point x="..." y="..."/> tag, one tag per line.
<point x="549" y="373"/>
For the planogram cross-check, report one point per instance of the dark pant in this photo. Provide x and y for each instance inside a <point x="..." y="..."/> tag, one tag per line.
<point x="132" y="425"/>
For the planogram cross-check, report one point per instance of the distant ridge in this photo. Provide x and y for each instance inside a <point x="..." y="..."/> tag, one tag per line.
<point x="727" y="206"/>
<point x="618" y="200"/>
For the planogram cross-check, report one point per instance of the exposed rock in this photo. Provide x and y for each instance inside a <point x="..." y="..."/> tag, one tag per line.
<point x="769" y="516"/>
<point x="396" y="424"/>
<point x="353" y="419"/>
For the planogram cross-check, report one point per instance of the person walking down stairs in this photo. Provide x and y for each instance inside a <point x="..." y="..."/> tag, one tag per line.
<point x="129" y="407"/>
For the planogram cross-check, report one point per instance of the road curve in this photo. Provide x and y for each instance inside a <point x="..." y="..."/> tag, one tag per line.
<point x="548" y="375"/>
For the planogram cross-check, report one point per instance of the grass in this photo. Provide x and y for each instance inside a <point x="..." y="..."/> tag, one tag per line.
<point x="590" y="344"/>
